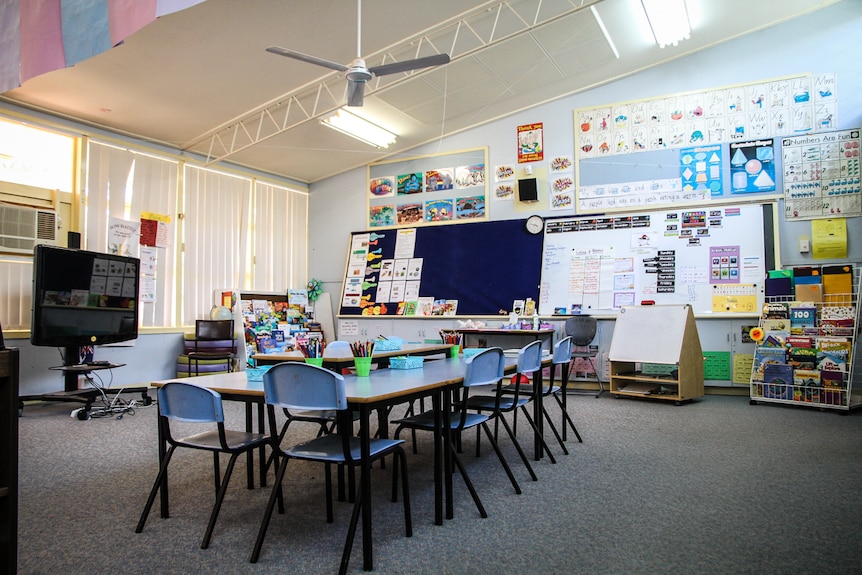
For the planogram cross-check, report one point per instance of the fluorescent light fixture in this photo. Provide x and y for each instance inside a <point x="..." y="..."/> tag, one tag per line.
<point x="359" y="128"/>
<point x="604" y="30"/>
<point x="668" y="20"/>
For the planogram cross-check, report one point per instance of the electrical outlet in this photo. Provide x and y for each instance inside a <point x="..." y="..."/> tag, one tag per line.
<point x="804" y="246"/>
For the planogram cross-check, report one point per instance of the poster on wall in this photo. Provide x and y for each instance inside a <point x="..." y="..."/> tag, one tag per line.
<point x="622" y="149"/>
<point x="437" y="189"/>
<point x="752" y="166"/>
<point x="530" y="143"/>
<point x="822" y="175"/>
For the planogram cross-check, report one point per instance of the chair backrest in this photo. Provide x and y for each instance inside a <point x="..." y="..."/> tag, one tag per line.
<point x="530" y="357"/>
<point x="182" y="401"/>
<point x="214" y="329"/>
<point x="582" y="329"/>
<point x="296" y="385"/>
<point x="337" y="348"/>
<point x="485" y="368"/>
<point x="563" y="351"/>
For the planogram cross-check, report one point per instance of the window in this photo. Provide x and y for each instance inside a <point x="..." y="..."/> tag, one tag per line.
<point x="226" y="231"/>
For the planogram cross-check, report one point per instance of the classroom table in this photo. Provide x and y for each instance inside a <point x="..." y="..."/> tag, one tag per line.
<point x="476" y="335"/>
<point x="343" y="360"/>
<point x="380" y="390"/>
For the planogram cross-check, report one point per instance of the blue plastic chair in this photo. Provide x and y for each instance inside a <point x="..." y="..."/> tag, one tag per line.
<point x="187" y="402"/>
<point x="484" y="368"/>
<point x="303" y="386"/>
<point x="501" y="402"/>
<point x="562" y="356"/>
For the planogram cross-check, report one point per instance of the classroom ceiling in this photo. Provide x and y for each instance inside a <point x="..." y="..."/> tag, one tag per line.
<point x="202" y="81"/>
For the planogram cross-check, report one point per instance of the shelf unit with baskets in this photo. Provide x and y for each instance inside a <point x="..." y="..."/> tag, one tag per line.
<point x="807" y="352"/>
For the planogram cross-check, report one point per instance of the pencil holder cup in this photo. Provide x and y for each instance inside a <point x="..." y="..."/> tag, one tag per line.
<point x="362" y="365"/>
<point x="454" y="350"/>
<point x="318" y="361"/>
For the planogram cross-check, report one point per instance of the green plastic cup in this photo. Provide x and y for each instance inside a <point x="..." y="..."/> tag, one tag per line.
<point x="454" y="351"/>
<point x="318" y="361"/>
<point x="362" y="365"/>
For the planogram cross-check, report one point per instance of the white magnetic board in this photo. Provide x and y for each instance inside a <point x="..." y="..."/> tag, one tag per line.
<point x="651" y="333"/>
<point x="595" y="265"/>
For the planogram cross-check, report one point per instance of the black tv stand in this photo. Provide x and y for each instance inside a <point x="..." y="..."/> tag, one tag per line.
<point x="86" y="396"/>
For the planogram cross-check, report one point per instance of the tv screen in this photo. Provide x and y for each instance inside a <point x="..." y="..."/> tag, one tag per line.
<point x="83" y="298"/>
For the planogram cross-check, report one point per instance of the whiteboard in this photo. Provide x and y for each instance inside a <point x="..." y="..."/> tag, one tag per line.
<point x="701" y="256"/>
<point x="635" y="334"/>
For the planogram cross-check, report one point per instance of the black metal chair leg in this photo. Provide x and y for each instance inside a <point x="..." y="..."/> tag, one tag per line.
<point x="502" y="459"/>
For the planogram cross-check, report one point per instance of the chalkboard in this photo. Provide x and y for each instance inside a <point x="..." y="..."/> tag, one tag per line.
<point x="714" y="259"/>
<point x="485" y="266"/>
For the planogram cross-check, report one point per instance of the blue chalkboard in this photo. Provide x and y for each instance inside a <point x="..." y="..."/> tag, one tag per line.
<point x="483" y="265"/>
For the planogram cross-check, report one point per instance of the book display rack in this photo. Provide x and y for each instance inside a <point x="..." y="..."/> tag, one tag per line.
<point x="806" y="350"/>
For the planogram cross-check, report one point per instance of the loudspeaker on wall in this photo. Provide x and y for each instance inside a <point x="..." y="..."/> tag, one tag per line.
<point x="528" y="190"/>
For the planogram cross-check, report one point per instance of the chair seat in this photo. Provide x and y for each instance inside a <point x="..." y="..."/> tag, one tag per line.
<point x="425" y="420"/>
<point x="328" y="448"/>
<point x="489" y="402"/>
<point x="236" y="440"/>
<point x="527" y="389"/>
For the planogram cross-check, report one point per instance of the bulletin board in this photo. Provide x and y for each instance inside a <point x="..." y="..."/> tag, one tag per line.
<point x="482" y="266"/>
<point x="714" y="259"/>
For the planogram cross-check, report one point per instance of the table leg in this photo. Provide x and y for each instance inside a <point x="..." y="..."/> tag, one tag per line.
<point x="447" y="451"/>
<point x="438" y="459"/>
<point x="365" y="486"/>
<point x="249" y="422"/>
<point x="537" y="412"/>
<point x="261" y="426"/>
<point x="163" y="489"/>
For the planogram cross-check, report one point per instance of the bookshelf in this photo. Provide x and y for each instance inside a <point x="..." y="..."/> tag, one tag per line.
<point x="656" y="334"/>
<point x="806" y="352"/>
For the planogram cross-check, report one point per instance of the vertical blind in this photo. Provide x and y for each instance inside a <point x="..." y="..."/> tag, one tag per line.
<point x="226" y="231"/>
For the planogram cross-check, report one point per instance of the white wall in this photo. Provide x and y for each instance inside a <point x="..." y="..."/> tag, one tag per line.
<point x="823" y="42"/>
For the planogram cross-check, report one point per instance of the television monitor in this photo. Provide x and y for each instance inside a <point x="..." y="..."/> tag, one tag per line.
<point x="83" y="298"/>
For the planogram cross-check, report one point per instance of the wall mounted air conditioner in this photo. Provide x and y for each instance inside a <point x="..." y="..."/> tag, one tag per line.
<point x="22" y="227"/>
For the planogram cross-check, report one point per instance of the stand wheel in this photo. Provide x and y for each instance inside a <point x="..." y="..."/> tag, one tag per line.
<point x="752" y="402"/>
<point x="83" y="414"/>
<point x="146" y="398"/>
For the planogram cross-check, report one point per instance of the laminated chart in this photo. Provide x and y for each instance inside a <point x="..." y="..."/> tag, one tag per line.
<point x="822" y="175"/>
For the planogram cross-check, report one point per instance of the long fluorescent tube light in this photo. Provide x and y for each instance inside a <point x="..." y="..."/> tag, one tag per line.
<point x="604" y="30"/>
<point x="359" y="128"/>
<point x="668" y="20"/>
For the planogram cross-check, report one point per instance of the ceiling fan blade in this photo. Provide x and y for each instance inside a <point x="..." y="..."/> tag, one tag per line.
<point x="408" y="65"/>
<point x="355" y="93"/>
<point x="306" y="58"/>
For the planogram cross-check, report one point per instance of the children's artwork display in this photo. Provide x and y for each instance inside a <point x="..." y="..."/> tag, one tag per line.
<point x="716" y="144"/>
<point x="429" y="190"/>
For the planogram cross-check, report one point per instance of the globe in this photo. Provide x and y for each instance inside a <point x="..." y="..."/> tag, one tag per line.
<point x="220" y="312"/>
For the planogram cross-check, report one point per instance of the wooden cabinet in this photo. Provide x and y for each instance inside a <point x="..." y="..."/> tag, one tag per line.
<point x="8" y="460"/>
<point x="657" y="334"/>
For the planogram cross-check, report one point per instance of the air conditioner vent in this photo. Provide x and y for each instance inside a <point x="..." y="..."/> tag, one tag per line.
<point x="22" y="227"/>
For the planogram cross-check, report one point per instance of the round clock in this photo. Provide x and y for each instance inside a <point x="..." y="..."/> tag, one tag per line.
<point x="535" y="224"/>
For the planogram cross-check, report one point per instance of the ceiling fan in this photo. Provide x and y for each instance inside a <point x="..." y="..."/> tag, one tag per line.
<point x="357" y="73"/>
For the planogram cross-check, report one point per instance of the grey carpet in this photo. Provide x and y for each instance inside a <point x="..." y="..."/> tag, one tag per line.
<point x="715" y="486"/>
